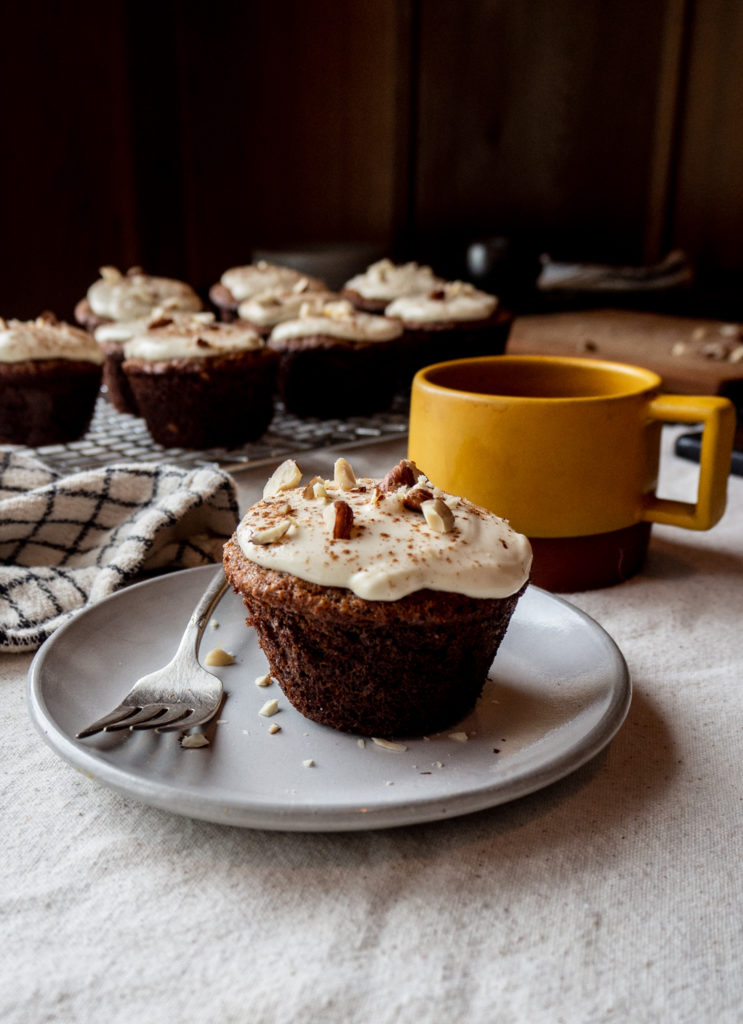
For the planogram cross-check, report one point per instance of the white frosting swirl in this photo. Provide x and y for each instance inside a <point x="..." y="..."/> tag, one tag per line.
<point x="385" y="280"/>
<point x="277" y="305"/>
<point x="454" y="300"/>
<point x="193" y="338"/>
<point x="392" y="550"/>
<point x="134" y="295"/>
<point x="41" y="339"/>
<point x="255" y="278"/>
<point x="338" y="320"/>
<point x="123" y="330"/>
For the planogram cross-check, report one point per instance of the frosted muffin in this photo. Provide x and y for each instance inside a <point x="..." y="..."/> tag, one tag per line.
<point x="453" y="321"/>
<point x="336" y="361"/>
<point x="238" y="284"/>
<point x="50" y="375"/>
<point x="201" y="384"/>
<point x="379" y="604"/>
<point x="263" y="312"/>
<point x="131" y="297"/>
<point x="384" y="281"/>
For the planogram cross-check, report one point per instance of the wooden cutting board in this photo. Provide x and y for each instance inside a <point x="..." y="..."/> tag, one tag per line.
<point x="697" y="357"/>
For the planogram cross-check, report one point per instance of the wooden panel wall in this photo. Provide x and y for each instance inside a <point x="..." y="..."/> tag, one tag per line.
<point x="182" y="137"/>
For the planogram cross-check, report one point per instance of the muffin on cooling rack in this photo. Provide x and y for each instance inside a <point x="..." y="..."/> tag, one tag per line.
<point x="263" y="312"/>
<point x="199" y="383"/>
<point x="384" y="281"/>
<point x="454" y="320"/>
<point x="336" y="361"/>
<point x="380" y="604"/>
<point x="50" y="375"/>
<point x="238" y="284"/>
<point x="130" y="298"/>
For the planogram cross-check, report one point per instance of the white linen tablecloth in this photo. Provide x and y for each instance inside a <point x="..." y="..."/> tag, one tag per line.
<point x="614" y="895"/>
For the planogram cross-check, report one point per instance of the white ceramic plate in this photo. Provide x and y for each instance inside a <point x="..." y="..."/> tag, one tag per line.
<point x="558" y="691"/>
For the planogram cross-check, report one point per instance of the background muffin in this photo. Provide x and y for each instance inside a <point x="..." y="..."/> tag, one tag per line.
<point x="50" y="375"/>
<point x="238" y="284"/>
<point x="384" y="281"/>
<point x="201" y="384"/>
<point x="263" y="312"/>
<point x="380" y="605"/>
<point x="453" y="321"/>
<point x="337" y="361"/>
<point x="117" y="297"/>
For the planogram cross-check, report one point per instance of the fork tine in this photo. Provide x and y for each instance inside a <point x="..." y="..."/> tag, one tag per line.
<point x="196" y="718"/>
<point x="174" y="716"/>
<point x="117" y="715"/>
<point x="145" y="717"/>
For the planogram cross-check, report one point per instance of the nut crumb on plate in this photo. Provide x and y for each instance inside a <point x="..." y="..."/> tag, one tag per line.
<point x="219" y="657"/>
<point x="194" y="740"/>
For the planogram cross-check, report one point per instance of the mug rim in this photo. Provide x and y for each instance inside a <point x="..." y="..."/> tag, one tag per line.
<point x="644" y="380"/>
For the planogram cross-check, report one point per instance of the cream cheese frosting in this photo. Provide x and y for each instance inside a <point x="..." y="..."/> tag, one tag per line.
<point x="256" y="278"/>
<point x="392" y="550"/>
<point x="134" y="295"/>
<point x="454" y="300"/>
<point x="123" y="330"/>
<point x="194" y="337"/>
<point x="277" y="305"/>
<point x="386" y="280"/>
<point x="337" y="320"/>
<point x="44" y="339"/>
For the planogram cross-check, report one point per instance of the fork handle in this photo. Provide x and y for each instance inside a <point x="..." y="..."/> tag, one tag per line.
<point x="191" y="639"/>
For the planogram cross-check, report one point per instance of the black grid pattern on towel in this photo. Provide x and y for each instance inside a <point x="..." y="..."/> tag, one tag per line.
<point x="67" y="541"/>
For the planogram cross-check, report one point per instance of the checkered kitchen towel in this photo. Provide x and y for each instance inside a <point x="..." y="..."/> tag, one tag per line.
<point x="67" y="542"/>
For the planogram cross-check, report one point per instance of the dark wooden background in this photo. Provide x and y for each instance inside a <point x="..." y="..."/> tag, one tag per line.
<point x="184" y="137"/>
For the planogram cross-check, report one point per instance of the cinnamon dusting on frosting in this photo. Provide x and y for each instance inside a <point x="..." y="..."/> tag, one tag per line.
<point x="389" y="548"/>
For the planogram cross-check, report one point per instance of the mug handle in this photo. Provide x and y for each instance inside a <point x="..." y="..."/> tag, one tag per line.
<point x="718" y="418"/>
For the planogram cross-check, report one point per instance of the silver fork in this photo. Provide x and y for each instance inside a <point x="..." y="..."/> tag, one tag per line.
<point x="180" y="695"/>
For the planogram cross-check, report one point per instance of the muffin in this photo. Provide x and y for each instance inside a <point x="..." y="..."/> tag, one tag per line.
<point x="379" y="604"/>
<point x="50" y="375"/>
<point x="336" y="361"/>
<point x="452" y="321"/>
<point x="131" y="297"/>
<point x="238" y="284"/>
<point x="384" y="281"/>
<point x="263" y="312"/>
<point x="199" y="383"/>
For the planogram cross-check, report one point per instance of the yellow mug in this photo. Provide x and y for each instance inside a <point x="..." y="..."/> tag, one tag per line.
<point x="568" y="451"/>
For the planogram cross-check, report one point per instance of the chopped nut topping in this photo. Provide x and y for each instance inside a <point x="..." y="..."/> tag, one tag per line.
<point x="110" y="274"/>
<point x="309" y="763"/>
<point x="161" y="321"/>
<point x="263" y="680"/>
<point x="342" y="519"/>
<point x="314" y="489"/>
<point x="301" y="286"/>
<point x="343" y="476"/>
<point x="460" y="737"/>
<point x="271" y="533"/>
<point x="438" y="515"/>
<point x="404" y="474"/>
<point x="218" y="657"/>
<point x="415" y="498"/>
<point x="274" y="728"/>
<point x="287" y="475"/>
<point x="270" y="708"/>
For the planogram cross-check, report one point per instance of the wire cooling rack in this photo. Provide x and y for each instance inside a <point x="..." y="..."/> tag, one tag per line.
<point x="117" y="437"/>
